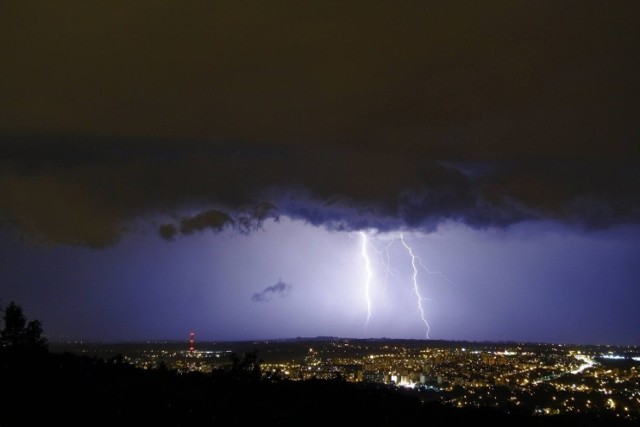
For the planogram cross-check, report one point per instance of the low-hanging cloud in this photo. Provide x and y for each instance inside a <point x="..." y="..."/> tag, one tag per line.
<point x="96" y="199"/>
<point x="280" y="289"/>
<point x="246" y="220"/>
<point x="401" y="117"/>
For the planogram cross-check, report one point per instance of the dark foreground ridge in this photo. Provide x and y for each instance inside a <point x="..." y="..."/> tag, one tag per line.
<point x="68" y="389"/>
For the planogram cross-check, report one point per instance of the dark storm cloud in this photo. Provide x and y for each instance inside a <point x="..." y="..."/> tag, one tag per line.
<point x="251" y="218"/>
<point x="248" y="219"/>
<point x="280" y="289"/>
<point x="213" y="219"/>
<point x="447" y="79"/>
<point x="384" y="116"/>
<point x="167" y="231"/>
<point x="94" y="201"/>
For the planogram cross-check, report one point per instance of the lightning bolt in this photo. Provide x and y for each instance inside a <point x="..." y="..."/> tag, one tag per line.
<point x="437" y="273"/>
<point x="415" y="282"/>
<point x="383" y="253"/>
<point x="385" y="259"/>
<point x="367" y="283"/>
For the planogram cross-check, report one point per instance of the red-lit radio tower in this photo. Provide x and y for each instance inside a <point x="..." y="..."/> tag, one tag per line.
<point x="192" y="342"/>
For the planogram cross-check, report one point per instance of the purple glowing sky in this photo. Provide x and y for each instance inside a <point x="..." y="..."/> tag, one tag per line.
<point x="536" y="282"/>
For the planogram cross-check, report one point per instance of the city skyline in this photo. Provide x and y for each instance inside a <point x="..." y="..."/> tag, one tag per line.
<point x="538" y="379"/>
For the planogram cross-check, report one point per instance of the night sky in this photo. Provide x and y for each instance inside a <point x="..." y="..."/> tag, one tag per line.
<point x="254" y="170"/>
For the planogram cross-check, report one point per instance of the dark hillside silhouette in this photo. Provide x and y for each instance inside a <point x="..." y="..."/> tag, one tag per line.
<point x="67" y="389"/>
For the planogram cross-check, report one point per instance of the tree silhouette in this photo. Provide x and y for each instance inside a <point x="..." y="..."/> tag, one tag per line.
<point x="33" y="334"/>
<point x="13" y="332"/>
<point x="246" y="368"/>
<point x="17" y="332"/>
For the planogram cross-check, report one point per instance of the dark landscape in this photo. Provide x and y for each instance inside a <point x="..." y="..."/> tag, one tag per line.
<point x="323" y="379"/>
